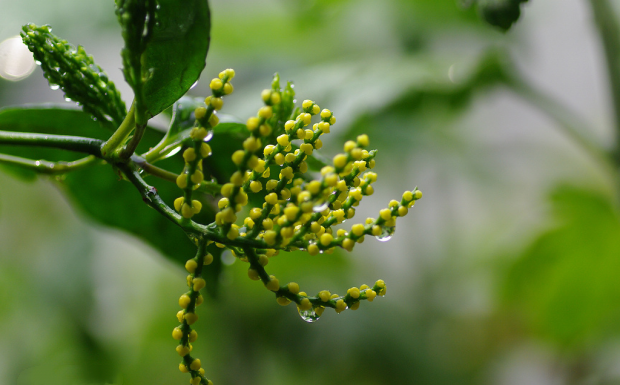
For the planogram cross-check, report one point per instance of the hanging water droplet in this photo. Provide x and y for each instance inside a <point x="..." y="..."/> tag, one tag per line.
<point x="308" y="315"/>
<point x="208" y="137"/>
<point x="194" y="85"/>
<point x="67" y="99"/>
<point x="38" y="62"/>
<point x="54" y="86"/>
<point x="386" y="234"/>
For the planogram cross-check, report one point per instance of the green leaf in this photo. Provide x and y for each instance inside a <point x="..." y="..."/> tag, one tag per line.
<point x="101" y="193"/>
<point x="114" y="202"/>
<point x="75" y="72"/>
<point x="175" y="55"/>
<point x="500" y="13"/>
<point x="565" y="285"/>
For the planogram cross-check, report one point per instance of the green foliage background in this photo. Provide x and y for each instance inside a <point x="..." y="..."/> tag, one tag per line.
<point x="505" y="273"/>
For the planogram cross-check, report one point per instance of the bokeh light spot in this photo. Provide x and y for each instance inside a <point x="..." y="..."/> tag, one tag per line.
<point x="16" y="61"/>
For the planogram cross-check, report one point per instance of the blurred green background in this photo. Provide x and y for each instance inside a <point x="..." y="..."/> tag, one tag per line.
<point x="506" y="272"/>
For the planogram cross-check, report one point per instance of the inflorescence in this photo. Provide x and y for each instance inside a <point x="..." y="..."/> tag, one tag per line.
<point x="298" y="213"/>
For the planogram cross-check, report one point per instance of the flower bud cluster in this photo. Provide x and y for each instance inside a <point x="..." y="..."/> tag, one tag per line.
<point x="192" y="175"/>
<point x="187" y="315"/>
<point x="298" y="212"/>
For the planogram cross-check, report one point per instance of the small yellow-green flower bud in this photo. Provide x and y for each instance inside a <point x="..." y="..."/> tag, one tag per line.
<point x="184" y="301"/>
<point x="402" y="211"/>
<point x="273" y="283"/>
<point x="199" y="283"/>
<point x="228" y="89"/>
<point x="265" y="112"/>
<point x="417" y="194"/>
<point x="386" y="214"/>
<point x="363" y="140"/>
<point x="227" y="189"/>
<point x="268" y="223"/>
<point x="307" y="104"/>
<point x="265" y="95"/>
<point x="193" y="336"/>
<point x="182" y="350"/>
<point x="376" y="230"/>
<point x="180" y="315"/>
<point x="279" y="159"/>
<point x="191" y="265"/>
<point x="178" y="203"/>
<point x="182" y="181"/>
<point x="340" y="306"/>
<point x="191" y="318"/>
<point x="354" y="292"/>
<point x="326" y="239"/>
<point x="305" y="304"/>
<point x="313" y="249"/>
<point x="283" y="140"/>
<point x="340" y="161"/>
<point x="195" y="365"/>
<point x="216" y="84"/>
<point x="293" y="287"/>
<point x="177" y="333"/>
<point x="253" y="274"/>
<point x="348" y="244"/>
<point x="270" y="237"/>
<point x="186" y="211"/>
<point x="289" y="125"/>
<point x="355" y="306"/>
<point x="326" y="114"/>
<point x="325" y="295"/>
<point x="217" y="103"/>
<point x="208" y="259"/>
<point x="370" y="294"/>
<point x="256" y="186"/>
<point x="271" y="198"/>
<point x="189" y="155"/>
<point x="200" y="112"/>
<point x="183" y="368"/>
<point x="252" y="123"/>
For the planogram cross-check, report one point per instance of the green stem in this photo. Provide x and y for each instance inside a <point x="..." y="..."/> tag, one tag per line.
<point x="133" y="143"/>
<point x="62" y="142"/>
<point x="210" y="188"/>
<point x="604" y="17"/>
<point x="46" y="167"/>
<point x="151" y="198"/>
<point x="121" y="133"/>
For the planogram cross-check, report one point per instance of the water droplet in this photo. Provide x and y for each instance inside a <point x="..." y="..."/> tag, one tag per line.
<point x="37" y="163"/>
<point x="67" y="99"/>
<point x="54" y="86"/>
<point x="318" y="209"/>
<point x="386" y="234"/>
<point x="37" y="62"/>
<point x="194" y="85"/>
<point x="228" y="259"/>
<point x="208" y="137"/>
<point x="308" y="315"/>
